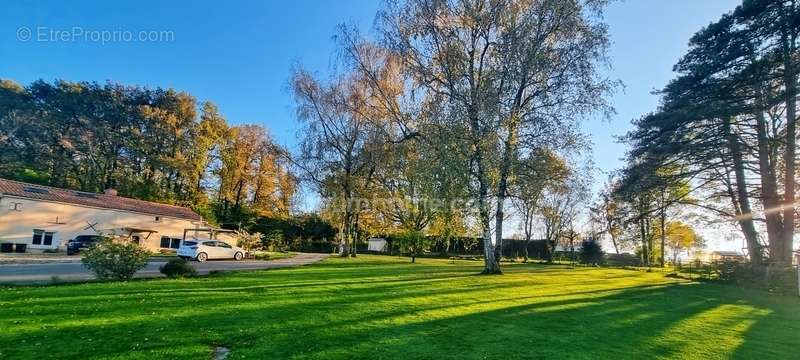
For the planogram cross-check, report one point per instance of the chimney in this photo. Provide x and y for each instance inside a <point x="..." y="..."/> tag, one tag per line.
<point x="110" y="191"/>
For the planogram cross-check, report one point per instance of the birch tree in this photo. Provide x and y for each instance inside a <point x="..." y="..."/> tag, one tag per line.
<point x="513" y="73"/>
<point x="334" y="147"/>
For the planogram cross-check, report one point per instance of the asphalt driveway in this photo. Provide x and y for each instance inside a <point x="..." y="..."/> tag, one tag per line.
<point x="74" y="271"/>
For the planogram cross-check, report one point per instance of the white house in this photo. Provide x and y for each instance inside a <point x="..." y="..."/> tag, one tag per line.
<point x="45" y="218"/>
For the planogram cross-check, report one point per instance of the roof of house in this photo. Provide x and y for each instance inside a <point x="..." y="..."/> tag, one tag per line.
<point x="106" y="201"/>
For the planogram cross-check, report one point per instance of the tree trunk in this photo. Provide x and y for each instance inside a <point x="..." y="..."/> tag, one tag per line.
<point x="742" y="199"/>
<point x="790" y="83"/>
<point x="649" y="237"/>
<point x="614" y="242"/>
<point x="510" y="148"/>
<point x="663" y="219"/>
<point x="645" y="250"/>
<point x="525" y="249"/>
<point x="491" y="265"/>
<point x="344" y="234"/>
<point x="354" y="247"/>
<point x="550" y="250"/>
<point x="498" y="228"/>
<point x="769" y="185"/>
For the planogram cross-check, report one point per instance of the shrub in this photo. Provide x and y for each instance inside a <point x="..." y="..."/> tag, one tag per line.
<point x="110" y="259"/>
<point x="273" y="240"/>
<point x="624" y="260"/>
<point x="591" y="252"/>
<point x="249" y="242"/>
<point x="178" y="268"/>
<point x="775" y="279"/>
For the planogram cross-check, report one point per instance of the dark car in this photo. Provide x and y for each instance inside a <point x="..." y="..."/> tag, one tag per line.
<point x="81" y="242"/>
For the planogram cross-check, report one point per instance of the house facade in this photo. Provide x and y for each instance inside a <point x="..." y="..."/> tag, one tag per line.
<point x="46" y="218"/>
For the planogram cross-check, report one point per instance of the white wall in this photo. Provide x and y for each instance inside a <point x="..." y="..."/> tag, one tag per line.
<point x="377" y="244"/>
<point x="68" y="221"/>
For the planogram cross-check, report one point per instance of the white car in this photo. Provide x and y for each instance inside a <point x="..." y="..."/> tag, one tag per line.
<point x="202" y="250"/>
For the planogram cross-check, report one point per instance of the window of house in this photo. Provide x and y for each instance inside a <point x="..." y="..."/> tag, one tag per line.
<point x="170" y="243"/>
<point x="158" y="218"/>
<point x="41" y="237"/>
<point x="165" y="242"/>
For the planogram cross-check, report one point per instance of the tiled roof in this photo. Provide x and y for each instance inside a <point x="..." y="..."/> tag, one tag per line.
<point x="47" y="193"/>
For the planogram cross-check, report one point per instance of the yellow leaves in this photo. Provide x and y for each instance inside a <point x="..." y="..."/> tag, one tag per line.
<point x="254" y="172"/>
<point x="680" y="235"/>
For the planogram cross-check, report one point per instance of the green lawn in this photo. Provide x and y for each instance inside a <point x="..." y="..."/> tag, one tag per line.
<point x="384" y="307"/>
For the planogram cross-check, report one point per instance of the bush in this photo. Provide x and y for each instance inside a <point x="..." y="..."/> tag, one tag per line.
<point x="624" y="260"/>
<point x="591" y="252"/>
<point x="178" y="268"/>
<point x="273" y="240"/>
<point x="775" y="279"/>
<point x="249" y="242"/>
<point x="109" y="259"/>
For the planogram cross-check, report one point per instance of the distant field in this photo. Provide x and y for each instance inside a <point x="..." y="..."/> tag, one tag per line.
<point x="384" y="307"/>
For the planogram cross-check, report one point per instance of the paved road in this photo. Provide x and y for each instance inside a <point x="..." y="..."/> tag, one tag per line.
<point x="34" y="273"/>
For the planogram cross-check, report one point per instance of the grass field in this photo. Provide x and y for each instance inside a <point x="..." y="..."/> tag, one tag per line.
<point x="384" y="307"/>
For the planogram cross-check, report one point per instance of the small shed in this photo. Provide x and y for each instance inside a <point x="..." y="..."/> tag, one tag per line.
<point x="378" y="245"/>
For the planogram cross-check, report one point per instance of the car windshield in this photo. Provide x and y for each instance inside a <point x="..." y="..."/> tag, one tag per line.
<point x="86" y="238"/>
<point x="190" y="243"/>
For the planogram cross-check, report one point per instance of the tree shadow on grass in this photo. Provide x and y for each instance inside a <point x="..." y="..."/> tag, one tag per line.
<point x="775" y="335"/>
<point x="633" y="323"/>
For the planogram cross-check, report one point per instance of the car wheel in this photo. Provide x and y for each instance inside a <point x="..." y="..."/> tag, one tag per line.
<point x="202" y="257"/>
<point x="238" y="256"/>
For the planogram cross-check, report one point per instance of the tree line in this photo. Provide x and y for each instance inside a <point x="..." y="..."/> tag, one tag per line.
<point x="455" y="111"/>
<point x="447" y="120"/>
<point x="153" y="144"/>
<point x="724" y="137"/>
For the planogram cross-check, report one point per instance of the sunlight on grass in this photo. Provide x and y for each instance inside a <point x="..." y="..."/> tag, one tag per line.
<point x="727" y="324"/>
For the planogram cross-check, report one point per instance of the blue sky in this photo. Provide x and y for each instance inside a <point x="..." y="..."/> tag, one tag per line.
<point x="239" y="55"/>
